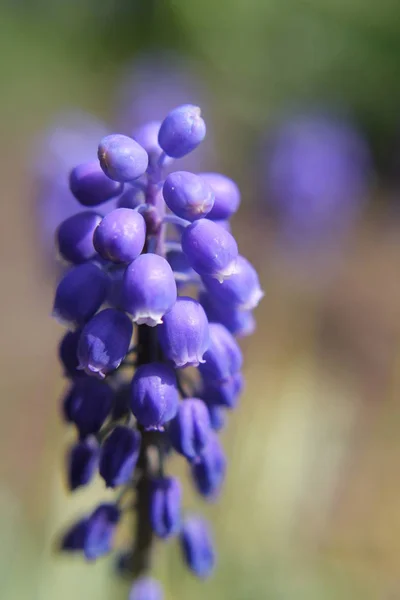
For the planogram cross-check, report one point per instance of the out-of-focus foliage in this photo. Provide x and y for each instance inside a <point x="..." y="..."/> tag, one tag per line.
<point x="269" y="51"/>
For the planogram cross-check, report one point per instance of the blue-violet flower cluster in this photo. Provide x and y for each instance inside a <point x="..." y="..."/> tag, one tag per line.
<point x="154" y="286"/>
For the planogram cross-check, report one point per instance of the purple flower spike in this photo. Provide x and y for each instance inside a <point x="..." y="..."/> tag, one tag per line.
<point x="91" y="186"/>
<point x="190" y="430"/>
<point x="121" y="235"/>
<point x="88" y="404"/>
<point x="148" y="289"/>
<point x="223" y="358"/>
<point x="188" y="195"/>
<point x="210" y="249"/>
<point x="121" y="158"/>
<point x="165" y="506"/>
<point x="104" y="342"/>
<point x="184" y="335"/>
<point x="75" y="237"/>
<point x="154" y="399"/>
<point x="146" y="588"/>
<point x="73" y="539"/>
<point x="80" y="294"/>
<point x="198" y="546"/>
<point x="119" y="454"/>
<point x="208" y="470"/>
<point x="82" y="462"/>
<point x="182" y="131"/>
<point x="242" y="290"/>
<point x="101" y="528"/>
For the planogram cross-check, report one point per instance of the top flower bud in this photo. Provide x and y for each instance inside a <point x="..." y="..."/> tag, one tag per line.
<point x="121" y="158"/>
<point x="182" y="131"/>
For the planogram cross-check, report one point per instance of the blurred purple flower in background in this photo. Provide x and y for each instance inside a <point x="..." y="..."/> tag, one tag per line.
<point x="316" y="175"/>
<point x="153" y="85"/>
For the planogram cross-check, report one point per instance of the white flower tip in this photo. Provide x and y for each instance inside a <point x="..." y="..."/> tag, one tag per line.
<point x="230" y="270"/>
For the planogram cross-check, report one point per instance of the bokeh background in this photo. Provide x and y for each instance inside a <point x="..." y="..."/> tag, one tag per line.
<point x="302" y="101"/>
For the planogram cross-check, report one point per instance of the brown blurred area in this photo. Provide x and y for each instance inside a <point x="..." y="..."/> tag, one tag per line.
<point x="311" y="504"/>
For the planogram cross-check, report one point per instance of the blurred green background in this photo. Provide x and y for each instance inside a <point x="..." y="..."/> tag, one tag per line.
<point x="311" y="504"/>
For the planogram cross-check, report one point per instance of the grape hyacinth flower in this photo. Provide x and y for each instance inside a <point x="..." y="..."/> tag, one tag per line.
<point x="148" y="289"/>
<point x="82" y="462"/>
<point x="75" y="237"/>
<point x="121" y="158"/>
<point x="91" y="186"/>
<point x="210" y="249"/>
<point x="241" y="290"/>
<point x="190" y="430"/>
<point x="316" y="171"/>
<point x="188" y="195"/>
<point x="198" y="546"/>
<point x="226" y="196"/>
<point x="80" y="294"/>
<point x="184" y="333"/>
<point x="120" y="236"/>
<point x="104" y="342"/>
<point x="119" y="454"/>
<point x="154" y="399"/>
<point x="130" y="398"/>
<point x="165" y="506"/>
<point x="209" y="468"/>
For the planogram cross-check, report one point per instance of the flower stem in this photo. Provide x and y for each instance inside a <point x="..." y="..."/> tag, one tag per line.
<point x="147" y="352"/>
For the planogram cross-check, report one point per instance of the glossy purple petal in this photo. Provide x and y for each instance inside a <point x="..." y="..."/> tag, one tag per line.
<point x="104" y="342"/>
<point x="148" y="289"/>
<point x="184" y="335"/>
<point x="182" y="131"/>
<point x="210" y="249"/>
<point x="122" y="158"/>
<point x="242" y="290"/>
<point x="188" y="195"/>
<point x="80" y="294"/>
<point x="91" y="186"/>
<point x="121" y="235"/>
<point x="154" y="395"/>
